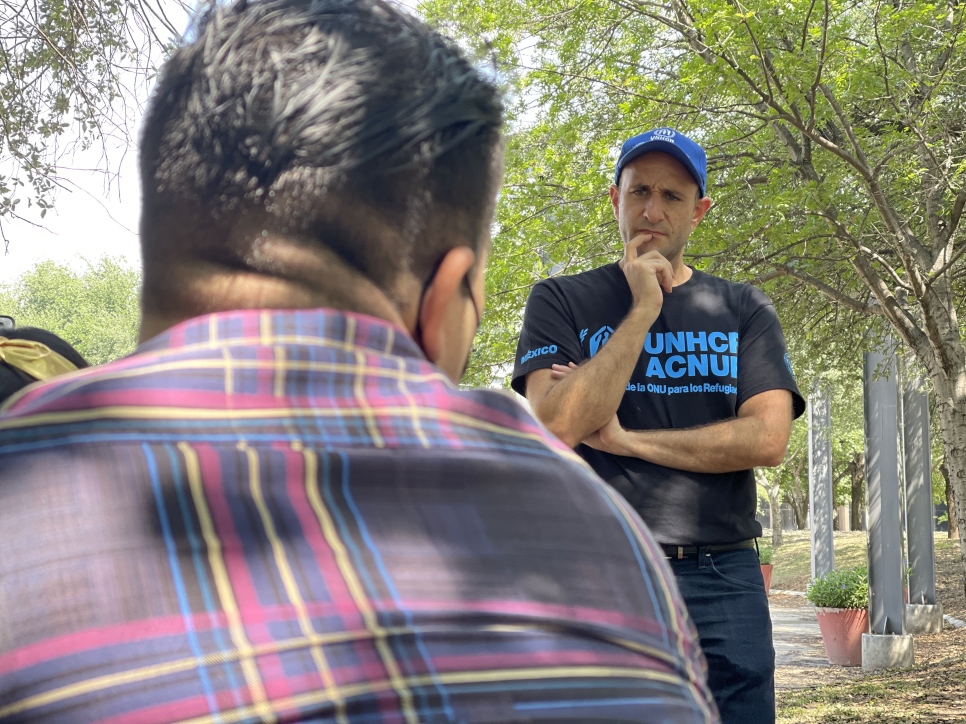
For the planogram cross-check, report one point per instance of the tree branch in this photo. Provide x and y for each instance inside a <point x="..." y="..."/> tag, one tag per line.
<point x="846" y="126"/>
<point x="942" y="270"/>
<point x="780" y="270"/>
<point x="955" y="214"/>
<point x="888" y="267"/>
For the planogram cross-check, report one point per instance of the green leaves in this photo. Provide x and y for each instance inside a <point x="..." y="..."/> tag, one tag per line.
<point x="96" y="311"/>
<point x="840" y="589"/>
<point x="801" y="107"/>
<point x="67" y="67"/>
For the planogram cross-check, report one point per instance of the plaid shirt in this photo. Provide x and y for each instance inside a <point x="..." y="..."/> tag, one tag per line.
<point x="292" y="516"/>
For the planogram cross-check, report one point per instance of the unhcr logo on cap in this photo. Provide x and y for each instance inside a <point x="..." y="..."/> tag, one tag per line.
<point x="666" y="140"/>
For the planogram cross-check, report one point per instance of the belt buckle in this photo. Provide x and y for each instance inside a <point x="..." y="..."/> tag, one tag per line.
<point x="680" y="553"/>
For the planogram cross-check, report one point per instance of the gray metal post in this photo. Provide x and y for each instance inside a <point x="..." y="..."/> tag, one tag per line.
<point x="919" y="513"/>
<point x="882" y="468"/>
<point x="923" y="614"/>
<point x="821" y="497"/>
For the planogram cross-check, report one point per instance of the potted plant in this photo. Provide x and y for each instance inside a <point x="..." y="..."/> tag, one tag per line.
<point x="764" y="558"/>
<point x="841" y="600"/>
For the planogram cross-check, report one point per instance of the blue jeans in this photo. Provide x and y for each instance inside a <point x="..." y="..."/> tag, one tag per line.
<point x="725" y="596"/>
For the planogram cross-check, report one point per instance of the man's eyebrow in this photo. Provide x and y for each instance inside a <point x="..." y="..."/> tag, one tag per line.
<point x="666" y="189"/>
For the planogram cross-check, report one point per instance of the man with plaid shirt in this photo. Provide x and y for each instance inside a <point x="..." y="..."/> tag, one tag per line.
<point x="281" y="508"/>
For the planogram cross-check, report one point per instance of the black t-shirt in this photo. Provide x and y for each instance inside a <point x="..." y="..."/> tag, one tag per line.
<point x="715" y="344"/>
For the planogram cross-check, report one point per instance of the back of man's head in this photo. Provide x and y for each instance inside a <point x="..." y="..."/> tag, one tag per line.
<point x="346" y="126"/>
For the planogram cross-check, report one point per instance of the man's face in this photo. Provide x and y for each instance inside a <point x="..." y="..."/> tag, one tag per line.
<point x="658" y="196"/>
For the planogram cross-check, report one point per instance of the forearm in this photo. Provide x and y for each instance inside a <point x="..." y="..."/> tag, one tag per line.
<point x="588" y="397"/>
<point x="737" y="444"/>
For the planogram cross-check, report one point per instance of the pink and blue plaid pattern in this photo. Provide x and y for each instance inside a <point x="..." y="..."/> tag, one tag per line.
<point x="285" y="516"/>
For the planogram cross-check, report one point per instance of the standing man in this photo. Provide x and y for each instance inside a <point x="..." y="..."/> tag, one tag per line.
<point x="281" y="507"/>
<point x="673" y="384"/>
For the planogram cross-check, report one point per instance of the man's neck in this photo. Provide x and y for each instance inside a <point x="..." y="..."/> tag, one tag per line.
<point x="294" y="277"/>
<point x="682" y="273"/>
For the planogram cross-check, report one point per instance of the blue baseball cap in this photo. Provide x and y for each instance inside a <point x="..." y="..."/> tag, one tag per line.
<point x="666" y="140"/>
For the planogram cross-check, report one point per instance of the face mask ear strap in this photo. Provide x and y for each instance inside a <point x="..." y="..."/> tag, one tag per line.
<point x="476" y="309"/>
<point x="418" y="331"/>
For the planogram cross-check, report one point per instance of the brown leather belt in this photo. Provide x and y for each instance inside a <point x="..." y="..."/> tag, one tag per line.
<point x="680" y="552"/>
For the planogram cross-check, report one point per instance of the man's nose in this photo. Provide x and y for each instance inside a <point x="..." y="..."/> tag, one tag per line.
<point x="653" y="209"/>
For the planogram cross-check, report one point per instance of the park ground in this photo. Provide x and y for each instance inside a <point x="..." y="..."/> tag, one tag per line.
<point x="932" y="692"/>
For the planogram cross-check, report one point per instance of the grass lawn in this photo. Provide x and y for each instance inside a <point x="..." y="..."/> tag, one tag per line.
<point x="933" y="692"/>
<point x="793" y="562"/>
<point x="927" y="694"/>
<point x="793" y="566"/>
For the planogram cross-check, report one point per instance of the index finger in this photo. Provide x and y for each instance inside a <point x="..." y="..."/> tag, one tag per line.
<point x="665" y="274"/>
<point x="635" y="244"/>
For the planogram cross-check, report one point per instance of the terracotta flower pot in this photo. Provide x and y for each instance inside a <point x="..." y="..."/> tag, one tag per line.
<point x="842" y="630"/>
<point x="766" y="569"/>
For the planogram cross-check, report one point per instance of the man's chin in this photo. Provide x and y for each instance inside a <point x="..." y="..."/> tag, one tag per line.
<point x="661" y="244"/>
<point x="661" y="249"/>
<point x="671" y="252"/>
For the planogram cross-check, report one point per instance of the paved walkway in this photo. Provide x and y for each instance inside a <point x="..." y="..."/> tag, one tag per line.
<point x="799" y="652"/>
<point x="798" y="641"/>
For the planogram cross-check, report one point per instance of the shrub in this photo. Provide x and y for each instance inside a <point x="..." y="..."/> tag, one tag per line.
<point x="96" y="310"/>
<point x="840" y="589"/>
<point x="765" y="554"/>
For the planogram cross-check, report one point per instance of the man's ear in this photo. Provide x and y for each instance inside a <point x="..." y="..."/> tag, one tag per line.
<point x="615" y="198"/>
<point x="700" y="209"/>
<point x="444" y="296"/>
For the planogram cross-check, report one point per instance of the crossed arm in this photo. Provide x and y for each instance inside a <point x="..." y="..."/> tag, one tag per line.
<point x="757" y="437"/>
<point x="575" y="402"/>
<point x="579" y="403"/>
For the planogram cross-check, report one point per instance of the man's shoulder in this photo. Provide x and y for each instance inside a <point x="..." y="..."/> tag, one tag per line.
<point x="507" y="425"/>
<point x="57" y="394"/>
<point x="582" y="282"/>
<point x="45" y="416"/>
<point x="608" y="273"/>
<point x="733" y="292"/>
<point x="712" y="281"/>
<point x="141" y="390"/>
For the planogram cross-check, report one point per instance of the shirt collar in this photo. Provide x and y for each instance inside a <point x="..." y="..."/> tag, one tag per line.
<point x="287" y="326"/>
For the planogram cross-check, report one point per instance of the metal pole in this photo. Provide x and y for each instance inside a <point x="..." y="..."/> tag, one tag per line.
<point x="919" y="512"/>
<point x="882" y="467"/>
<point x="821" y="497"/>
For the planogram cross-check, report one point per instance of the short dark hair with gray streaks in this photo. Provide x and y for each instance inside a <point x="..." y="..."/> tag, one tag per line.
<point x="345" y="123"/>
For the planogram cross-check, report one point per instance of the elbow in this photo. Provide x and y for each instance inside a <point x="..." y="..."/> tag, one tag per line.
<point x="773" y="455"/>
<point x="772" y="461"/>
<point x="558" y="426"/>
<point x="563" y="433"/>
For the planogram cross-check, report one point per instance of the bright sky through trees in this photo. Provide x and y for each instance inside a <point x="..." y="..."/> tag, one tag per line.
<point x="95" y="204"/>
<point x="97" y="217"/>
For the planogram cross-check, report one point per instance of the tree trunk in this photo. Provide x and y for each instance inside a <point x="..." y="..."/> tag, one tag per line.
<point x="857" y="475"/>
<point x="799" y="496"/>
<point x="772" y="491"/>
<point x="951" y="404"/>
<point x="801" y="518"/>
<point x="952" y="526"/>
<point x="775" y="505"/>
